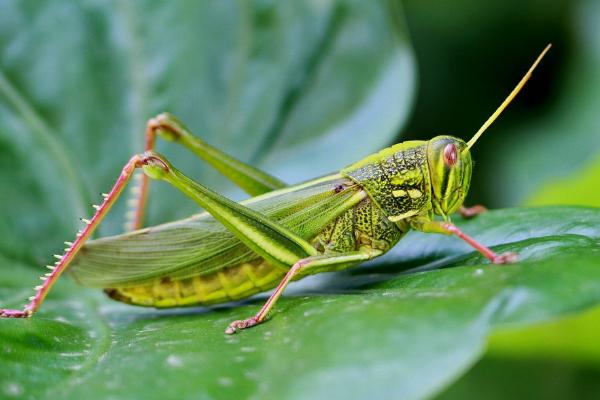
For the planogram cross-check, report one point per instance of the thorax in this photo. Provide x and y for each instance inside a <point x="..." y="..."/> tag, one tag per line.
<point x="362" y="227"/>
<point x="397" y="179"/>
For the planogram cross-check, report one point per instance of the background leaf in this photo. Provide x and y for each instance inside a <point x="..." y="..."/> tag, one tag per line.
<point x="562" y="144"/>
<point x="520" y="360"/>
<point x="469" y="59"/>
<point x="272" y="83"/>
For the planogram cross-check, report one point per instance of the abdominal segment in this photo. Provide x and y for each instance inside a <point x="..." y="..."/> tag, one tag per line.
<point x="228" y="284"/>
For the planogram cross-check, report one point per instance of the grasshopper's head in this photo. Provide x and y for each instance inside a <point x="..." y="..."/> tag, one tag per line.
<point x="450" y="169"/>
<point x="449" y="158"/>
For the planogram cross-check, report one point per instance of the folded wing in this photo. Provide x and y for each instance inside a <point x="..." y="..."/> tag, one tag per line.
<point x="200" y="245"/>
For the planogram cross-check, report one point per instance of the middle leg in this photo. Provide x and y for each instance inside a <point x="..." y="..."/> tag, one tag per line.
<point x="250" y="179"/>
<point x="430" y="226"/>
<point x="303" y="265"/>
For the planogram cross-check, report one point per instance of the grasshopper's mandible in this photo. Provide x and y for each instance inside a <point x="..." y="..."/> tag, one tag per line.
<point x="234" y="250"/>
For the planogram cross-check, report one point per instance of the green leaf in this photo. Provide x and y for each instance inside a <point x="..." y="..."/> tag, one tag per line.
<point x="520" y="359"/>
<point x="574" y="189"/>
<point x="372" y="331"/>
<point x="534" y="379"/>
<point x="573" y="338"/>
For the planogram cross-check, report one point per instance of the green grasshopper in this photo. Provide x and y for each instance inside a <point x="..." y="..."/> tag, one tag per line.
<point x="283" y="233"/>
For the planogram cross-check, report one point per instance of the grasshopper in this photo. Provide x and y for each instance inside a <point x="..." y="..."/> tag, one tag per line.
<point x="282" y="233"/>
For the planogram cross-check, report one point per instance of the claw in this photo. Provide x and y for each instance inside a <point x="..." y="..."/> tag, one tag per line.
<point x="241" y="324"/>
<point x="14" y="313"/>
<point x="505" y="258"/>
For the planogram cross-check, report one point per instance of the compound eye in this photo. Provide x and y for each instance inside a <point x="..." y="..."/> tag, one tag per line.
<point x="450" y="156"/>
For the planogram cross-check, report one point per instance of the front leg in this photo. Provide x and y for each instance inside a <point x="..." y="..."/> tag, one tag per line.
<point x="429" y="226"/>
<point x="250" y="179"/>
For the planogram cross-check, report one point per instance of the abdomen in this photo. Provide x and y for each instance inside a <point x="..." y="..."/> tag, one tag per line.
<point x="228" y="284"/>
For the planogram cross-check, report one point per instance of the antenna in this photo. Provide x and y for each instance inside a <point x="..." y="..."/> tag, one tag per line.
<point x="507" y="101"/>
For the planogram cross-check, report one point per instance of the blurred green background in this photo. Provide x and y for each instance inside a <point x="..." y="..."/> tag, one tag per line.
<point x="545" y="147"/>
<point x="281" y="85"/>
